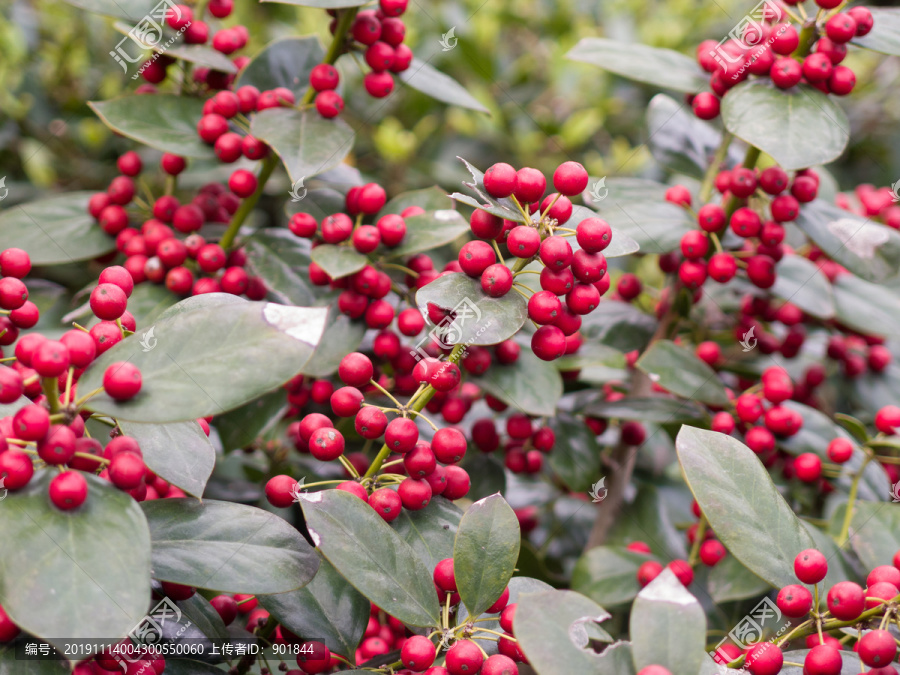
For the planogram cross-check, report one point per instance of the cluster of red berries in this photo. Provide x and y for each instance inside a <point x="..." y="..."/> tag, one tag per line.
<point x="651" y="569"/>
<point x="577" y="276"/>
<point x="771" y="49"/>
<point x="846" y="601"/>
<point x="155" y="252"/>
<point x="197" y="32"/>
<point x="18" y="311"/>
<point x="879" y="204"/>
<point x="379" y="35"/>
<point x="525" y="446"/>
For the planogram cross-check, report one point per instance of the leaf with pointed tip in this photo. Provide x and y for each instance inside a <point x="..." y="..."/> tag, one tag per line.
<point x="668" y="627"/>
<point x="204" y="616"/>
<point x="853" y="426"/>
<point x="166" y="122"/>
<point x="429" y="230"/>
<point x="203" y="56"/>
<point x="207" y="360"/>
<point x="530" y="385"/>
<point x="54" y="230"/>
<point x="430" y="531"/>
<point x="307" y="143"/>
<point x="338" y="261"/>
<point x="241" y="426"/>
<point x="424" y="77"/>
<point x="371" y="556"/>
<point x="228" y="547"/>
<point x="726" y="478"/>
<point x="485" y="552"/>
<point x="679" y="371"/>
<point x="283" y="63"/>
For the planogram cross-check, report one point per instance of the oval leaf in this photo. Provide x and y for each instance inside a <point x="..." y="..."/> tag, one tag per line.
<point x="726" y="479"/>
<point x="800" y="282"/>
<point x="661" y="67"/>
<point x="206" y="361"/>
<point x="92" y="564"/>
<point x="227" y="547"/>
<point x="885" y="34"/>
<point x="668" y="627"/>
<point x="576" y="455"/>
<point x="283" y="63"/>
<point x="342" y="335"/>
<point x="167" y="123"/>
<point x="656" y="226"/>
<point x="180" y="453"/>
<point x="530" y="385"/>
<point x="203" y="56"/>
<point x="281" y="259"/>
<point x="867" y="307"/>
<point x="338" y="261"/>
<point x="429" y="80"/>
<point x="679" y="371"/>
<point x="875" y="532"/>
<point x="798" y="127"/>
<point x="608" y="575"/>
<point x="371" y="556"/>
<point x="485" y="552"/>
<point x="307" y="143"/>
<point x="480" y="319"/>
<point x="54" y="230"/>
<point x="430" y="531"/>
<point x="430" y="230"/>
<point x="730" y="580"/>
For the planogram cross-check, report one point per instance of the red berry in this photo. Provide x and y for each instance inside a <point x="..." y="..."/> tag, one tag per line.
<point x="31" y="423"/>
<point x="497" y="280"/>
<point x="499" y="664"/>
<point x="122" y="380"/>
<point x="458" y="482"/>
<point x="711" y="217"/>
<point x="16" y="470"/>
<point x="126" y="470"/>
<point x="242" y="183"/>
<point x="386" y="503"/>
<point x="329" y="104"/>
<point x="877" y="648"/>
<point x="764" y="659"/>
<point x="448" y="445"/>
<point x="370" y="423"/>
<point x="355" y="369"/>
<point x="823" y="660"/>
<point x="14" y="262"/>
<point x="841" y="27"/>
<point x="414" y="493"/>
<point x="523" y="241"/>
<point x="648" y="571"/>
<point x="794" y="601"/>
<point x="68" y="490"/>
<point x="841" y="81"/>
<point x="570" y="179"/>
<point x="887" y="419"/>
<point x="593" y="234"/>
<point x="846" y="600"/>
<point x="418" y="653"/>
<point x="530" y="185"/>
<point x="548" y="343"/>
<point x="706" y="105"/>
<point x="475" y="257"/>
<point x="378" y="85"/>
<point x="326" y="444"/>
<point x="280" y="491"/>
<point x="863" y="18"/>
<point x="324" y="77"/>
<point x="13" y="293"/>
<point x="682" y="570"/>
<point x="225" y="606"/>
<point x="464" y="658"/>
<point x="711" y="552"/>
<point x="810" y="566"/>
<point x="840" y="450"/>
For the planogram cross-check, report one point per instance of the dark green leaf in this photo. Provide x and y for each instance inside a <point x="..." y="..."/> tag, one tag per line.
<point x="608" y="575"/>
<point x="727" y="478"/>
<point x="885" y="34"/>
<point x="371" y="556"/>
<point x="430" y="199"/>
<point x="430" y="230"/>
<point x="856" y="428"/>
<point x="800" y="282"/>
<point x="530" y="385"/>
<point x="202" y="56"/>
<point x="132" y="10"/>
<point x="798" y="127"/>
<point x="654" y="514"/>
<point x="657" y="226"/>
<point x="668" y="627"/>
<point x="169" y="124"/>
<point x="338" y="261"/>
<point x="620" y="244"/>
<point x="429" y="80"/>
<point x="342" y="335"/>
<point x="679" y="371"/>
<point x="430" y="531"/>
<point x="480" y="319"/>
<point x="730" y="580"/>
<point x="486" y="474"/>
<point x="485" y="552"/>
<point x="552" y="629"/>
<point x="867" y="307"/>
<point x="649" y="409"/>
<point x="91" y="565"/>
<point x="660" y="67"/>
<point x="180" y="452"/>
<point x="54" y="230"/>
<point x="327" y="608"/>
<point x="207" y="361"/>
<point x="306" y="142"/>
<point x="620" y="325"/>
<point x="240" y="427"/>
<point x="875" y="532"/>
<point x="204" y="616"/>
<point x="147" y="302"/>
<point x="868" y="249"/>
<point x="227" y="547"/>
<point x="281" y="259"/>
<point x="283" y="63"/>
<point x="576" y="455"/>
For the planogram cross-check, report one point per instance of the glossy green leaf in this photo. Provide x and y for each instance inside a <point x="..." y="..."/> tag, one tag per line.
<point x="338" y="261"/>
<point x="203" y="616"/>
<point x="371" y="556"/>
<point x="241" y="426"/>
<point x="283" y="63"/>
<point x="481" y="319"/>
<point x="660" y="67"/>
<point x="342" y="335"/>
<point x="730" y="580"/>
<point x="680" y="141"/>
<point x="679" y="371"/>
<point x="169" y="124"/>
<point x="92" y="564"/>
<point x="131" y="10"/>
<point x="307" y="143"/>
<point x="552" y="630"/>
<point x="529" y="385"/>
<point x="619" y="325"/>
<point x="180" y="453"/>
<point x="885" y="34"/>
<point x="798" y="127"/>
<point x="659" y="409"/>
<point x="430" y="531"/>
<point x="203" y="56"/>
<point x="429" y="230"/>
<point x="668" y="627"/>
<point x="147" y="302"/>
<point x="424" y="77"/>
<point x="617" y="659"/>
<point x="867" y="307"/>
<point x="657" y="226"/>
<point x="228" y="547"/>
<point x="608" y="575"/>
<point x="429" y="199"/>
<point x="868" y="249"/>
<point x="485" y="552"/>
<point x="207" y="361"/>
<point x="853" y="426"/>
<point x="619" y="245"/>
<point x="875" y="531"/>
<point x="54" y="230"/>
<point x="327" y="608"/>
<point x="576" y="454"/>
<point x="799" y="281"/>
<point x="281" y="260"/>
<point x="727" y="478"/>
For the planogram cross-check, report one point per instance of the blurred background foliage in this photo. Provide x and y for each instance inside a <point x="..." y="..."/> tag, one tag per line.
<point x="510" y="55"/>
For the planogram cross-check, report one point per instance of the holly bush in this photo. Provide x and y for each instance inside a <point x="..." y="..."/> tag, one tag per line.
<point x="424" y="392"/>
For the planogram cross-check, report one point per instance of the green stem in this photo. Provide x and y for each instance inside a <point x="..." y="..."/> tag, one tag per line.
<point x="51" y="391"/>
<point x="335" y="48"/>
<point x="698" y="539"/>
<point x="709" y="177"/>
<point x="807" y="38"/>
<point x="268" y="166"/>
<point x="828" y="626"/>
<point x="851" y="500"/>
